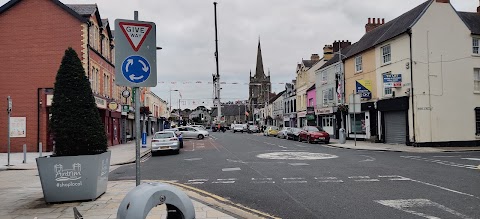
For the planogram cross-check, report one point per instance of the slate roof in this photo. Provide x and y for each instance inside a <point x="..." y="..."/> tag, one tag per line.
<point x="230" y="110"/>
<point x="11" y="3"/>
<point x="335" y="58"/>
<point x="311" y="88"/>
<point x="472" y="20"/>
<point x="104" y="22"/>
<point x="388" y="30"/>
<point x="83" y="9"/>
<point x="276" y="96"/>
<point x="308" y="63"/>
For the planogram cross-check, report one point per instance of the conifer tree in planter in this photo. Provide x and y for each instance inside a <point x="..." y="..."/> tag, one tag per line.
<point x="78" y="169"/>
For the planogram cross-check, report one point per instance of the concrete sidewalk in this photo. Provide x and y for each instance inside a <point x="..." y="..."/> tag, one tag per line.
<point x="121" y="154"/>
<point x="365" y="145"/>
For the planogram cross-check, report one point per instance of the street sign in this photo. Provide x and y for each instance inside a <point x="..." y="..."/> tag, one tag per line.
<point x="354" y="103"/>
<point x="125" y="93"/>
<point x="135" y="53"/>
<point x="9" y="109"/>
<point x="113" y="106"/>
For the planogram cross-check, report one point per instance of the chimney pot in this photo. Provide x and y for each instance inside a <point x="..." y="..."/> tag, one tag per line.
<point x="369" y="20"/>
<point x="378" y="21"/>
<point x="383" y="20"/>
<point x="373" y="20"/>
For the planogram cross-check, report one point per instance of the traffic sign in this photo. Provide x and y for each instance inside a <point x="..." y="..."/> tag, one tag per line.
<point x="135" y="53"/>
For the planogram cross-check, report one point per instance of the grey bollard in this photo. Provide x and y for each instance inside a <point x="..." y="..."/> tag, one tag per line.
<point x="24" y="153"/>
<point x="140" y="200"/>
<point x="40" y="149"/>
<point x="343" y="137"/>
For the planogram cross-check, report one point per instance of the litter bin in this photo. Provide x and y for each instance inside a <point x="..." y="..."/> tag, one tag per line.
<point x="343" y="137"/>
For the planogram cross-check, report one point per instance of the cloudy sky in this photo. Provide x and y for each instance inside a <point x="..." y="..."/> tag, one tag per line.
<point x="289" y="31"/>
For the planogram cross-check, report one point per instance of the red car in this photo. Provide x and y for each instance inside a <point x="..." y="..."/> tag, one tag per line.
<point x="313" y="134"/>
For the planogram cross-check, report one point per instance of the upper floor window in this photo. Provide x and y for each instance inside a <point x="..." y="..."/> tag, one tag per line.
<point x="477" y="121"/>
<point x="310" y="102"/>
<point x="476" y="80"/>
<point x="358" y="64"/>
<point x="475" y="45"/>
<point x="324" y="77"/>
<point x="386" y="54"/>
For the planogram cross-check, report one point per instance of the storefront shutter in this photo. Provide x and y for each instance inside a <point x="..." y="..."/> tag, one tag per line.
<point x="395" y="127"/>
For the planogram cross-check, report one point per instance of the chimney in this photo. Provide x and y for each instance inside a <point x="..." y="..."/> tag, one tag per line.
<point x="374" y="23"/>
<point x="478" y="9"/>
<point x="315" y="57"/>
<point x="327" y="52"/>
<point x="340" y="44"/>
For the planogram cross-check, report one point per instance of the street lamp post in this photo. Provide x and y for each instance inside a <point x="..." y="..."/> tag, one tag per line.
<point x="170" y="103"/>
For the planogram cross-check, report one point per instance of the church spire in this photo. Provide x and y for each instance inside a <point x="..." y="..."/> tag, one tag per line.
<point x="259" y="74"/>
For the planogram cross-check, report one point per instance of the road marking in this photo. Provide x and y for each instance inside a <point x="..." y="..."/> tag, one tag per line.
<point x="294" y="178"/>
<point x="201" y="147"/>
<point x="328" y="177"/>
<point x="262" y="180"/>
<point x="282" y="146"/>
<point x="468" y="158"/>
<point x="446" y="163"/>
<point x="229" y="179"/>
<point x="406" y="205"/>
<point x="359" y="177"/>
<point x="331" y="180"/>
<point x="231" y="169"/>
<point x="197" y="180"/>
<point x="445" y="156"/>
<point x="193" y="159"/>
<point x="295" y="181"/>
<point x="223" y="182"/>
<point x="296" y="156"/>
<point x="367" y="180"/>
<point x="368" y="158"/>
<point x="443" y="188"/>
<point x="395" y="178"/>
<point x="302" y="146"/>
<point x="299" y="164"/>
<point x="194" y="183"/>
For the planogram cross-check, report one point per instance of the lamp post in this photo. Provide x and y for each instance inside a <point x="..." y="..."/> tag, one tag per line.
<point x="170" y="103"/>
<point x="340" y="77"/>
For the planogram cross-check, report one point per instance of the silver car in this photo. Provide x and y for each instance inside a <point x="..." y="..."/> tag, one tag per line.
<point x="283" y="133"/>
<point x="165" y="141"/>
<point x="191" y="132"/>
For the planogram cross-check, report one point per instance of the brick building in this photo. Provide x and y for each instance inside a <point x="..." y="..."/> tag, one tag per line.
<point x="33" y="37"/>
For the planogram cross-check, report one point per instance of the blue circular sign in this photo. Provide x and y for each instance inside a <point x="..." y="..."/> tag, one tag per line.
<point x="136" y="69"/>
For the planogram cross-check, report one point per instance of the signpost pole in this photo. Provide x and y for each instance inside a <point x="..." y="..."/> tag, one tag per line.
<point x="354" y="120"/>
<point x="137" y="126"/>
<point x="9" y="109"/>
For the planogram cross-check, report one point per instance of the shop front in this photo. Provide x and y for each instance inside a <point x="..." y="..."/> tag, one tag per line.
<point x="311" y="117"/>
<point x="327" y="120"/>
<point x="363" y="125"/>
<point x="302" y="119"/>
<point x="393" y="114"/>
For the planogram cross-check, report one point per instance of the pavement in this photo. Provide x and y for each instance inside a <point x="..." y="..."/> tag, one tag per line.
<point x="22" y="195"/>
<point x="366" y="145"/>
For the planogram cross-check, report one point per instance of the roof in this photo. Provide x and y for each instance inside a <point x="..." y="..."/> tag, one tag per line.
<point x="389" y="30"/>
<point x="83" y="9"/>
<point x="308" y="63"/>
<point x="335" y="58"/>
<point x="230" y="110"/>
<point x="311" y="88"/>
<point x="12" y="3"/>
<point x="277" y="96"/>
<point x="472" y="20"/>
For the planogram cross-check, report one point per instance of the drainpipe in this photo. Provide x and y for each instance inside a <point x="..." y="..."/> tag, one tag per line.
<point x="411" y="84"/>
<point x="39" y="105"/>
<point x="89" y="24"/>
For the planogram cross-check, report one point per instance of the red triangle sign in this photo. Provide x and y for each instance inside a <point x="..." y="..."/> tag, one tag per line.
<point x="135" y="33"/>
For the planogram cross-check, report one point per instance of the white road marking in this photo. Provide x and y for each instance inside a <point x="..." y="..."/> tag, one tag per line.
<point x="368" y="158"/>
<point x="194" y="183"/>
<point x="359" y="177"/>
<point x="445" y="156"/>
<point x="262" y="180"/>
<point x="299" y="164"/>
<point x="443" y="188"/>
<point x="198" y="180"/>
<point x="367" y="180"/>
<point x="406" y="204"/>
<point x="302" y="146"/>
<point x="224" y="182"/>
<point x="193" y="159"/>
<point x="331" y="180"/>
<point x="296" y="156"/>
<point x="295" y="181"/>
<point x="446" y="163"/>
<point x="229" y="179"/>
<point x="328" y="177"/>
<point x="400" y="179"/>
<point x="201" y="147"/>
<point x="468" y="158"/>
<point x="231" y="169"/>
<point x="389" y="176"/>
<point x="282" y="146"/>
<point x="294" y="178"/>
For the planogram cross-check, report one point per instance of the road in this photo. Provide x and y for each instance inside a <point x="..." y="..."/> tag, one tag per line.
<point x="290" y="179"/>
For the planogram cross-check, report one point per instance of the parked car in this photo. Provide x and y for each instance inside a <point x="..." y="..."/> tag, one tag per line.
<point x="293" y="133"/>
<point x="239" y="128"/>
<point x="253" y="129"/>
<point x="271" y="131"/>
<point x="283" y="133"/>
<point x="179" y="135"/>
<point x="191" y="132"/>
<point x="165" y="141"/>
<point x="199" y="127"/>
<point x="313" y="134"/>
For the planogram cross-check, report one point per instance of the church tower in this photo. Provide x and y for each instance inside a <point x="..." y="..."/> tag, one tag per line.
<point x="260" y="86"/>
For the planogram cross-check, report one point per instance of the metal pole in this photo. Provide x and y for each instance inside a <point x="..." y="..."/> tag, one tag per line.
<point x="354" y="120"/>
<point x="9" y="109"/>
<point x="40" y="149"/>
<point x="137" y="126"/>
<point x="24" y="153"/>
<point x="219" y="103"/>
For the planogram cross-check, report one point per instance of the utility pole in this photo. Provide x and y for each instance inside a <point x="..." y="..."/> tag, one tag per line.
<point x="216" y="77"/>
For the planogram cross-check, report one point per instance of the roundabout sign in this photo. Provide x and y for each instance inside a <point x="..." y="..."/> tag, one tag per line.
<point x="291" y="155"/>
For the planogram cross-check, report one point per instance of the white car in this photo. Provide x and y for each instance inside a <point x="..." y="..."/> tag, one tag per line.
<point x="191" y="132"/>
<point x="239" y="128"/>
<point x="165" y="141"/>
<point x="199" y="127"/>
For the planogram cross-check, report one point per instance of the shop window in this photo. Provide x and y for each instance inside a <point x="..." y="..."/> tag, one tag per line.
<point x="358" y="124"/>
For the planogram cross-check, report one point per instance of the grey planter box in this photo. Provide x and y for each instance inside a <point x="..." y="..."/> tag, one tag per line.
<point x="73" y="178"/>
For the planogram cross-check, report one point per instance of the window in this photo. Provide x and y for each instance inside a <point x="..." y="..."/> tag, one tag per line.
<point x="91" y="78"/>
<point x="325" y="97"/>
<point x="324" y="77"/>
<point x="477" y="120"/>
<point x="358" y="64"/>
<point x="475" y="45"/>
<point x="310" y="102"/>
<point x="97" y="81"/>
<point x="358" y="125"/>
<point x="386" y="54"/>
<point x="388" y="91"/>
<point x="476" y="80"/>
<point x="105" y="84"/>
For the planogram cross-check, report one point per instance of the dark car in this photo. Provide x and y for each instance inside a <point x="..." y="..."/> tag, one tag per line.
<point x="313" y="134"/>
<point x="292" y="134"/>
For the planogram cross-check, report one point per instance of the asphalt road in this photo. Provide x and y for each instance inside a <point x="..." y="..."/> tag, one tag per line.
<point x="289" y="179"/>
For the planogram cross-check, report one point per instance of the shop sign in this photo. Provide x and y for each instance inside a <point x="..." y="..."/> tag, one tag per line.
<point x="310" y="110"/>
<point x="131" y="116"/>
<point x="392" y="80"/>
<point x="310" y="117"/>
<point x="18" y="127"/>
<point x="364" y="88"/>
<point x="293" y="115"/>
<point x="113" y="106"/>
<point x="101" y="103"/>
<point x="323" y="111"/>
<point x="302" y="114"/>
